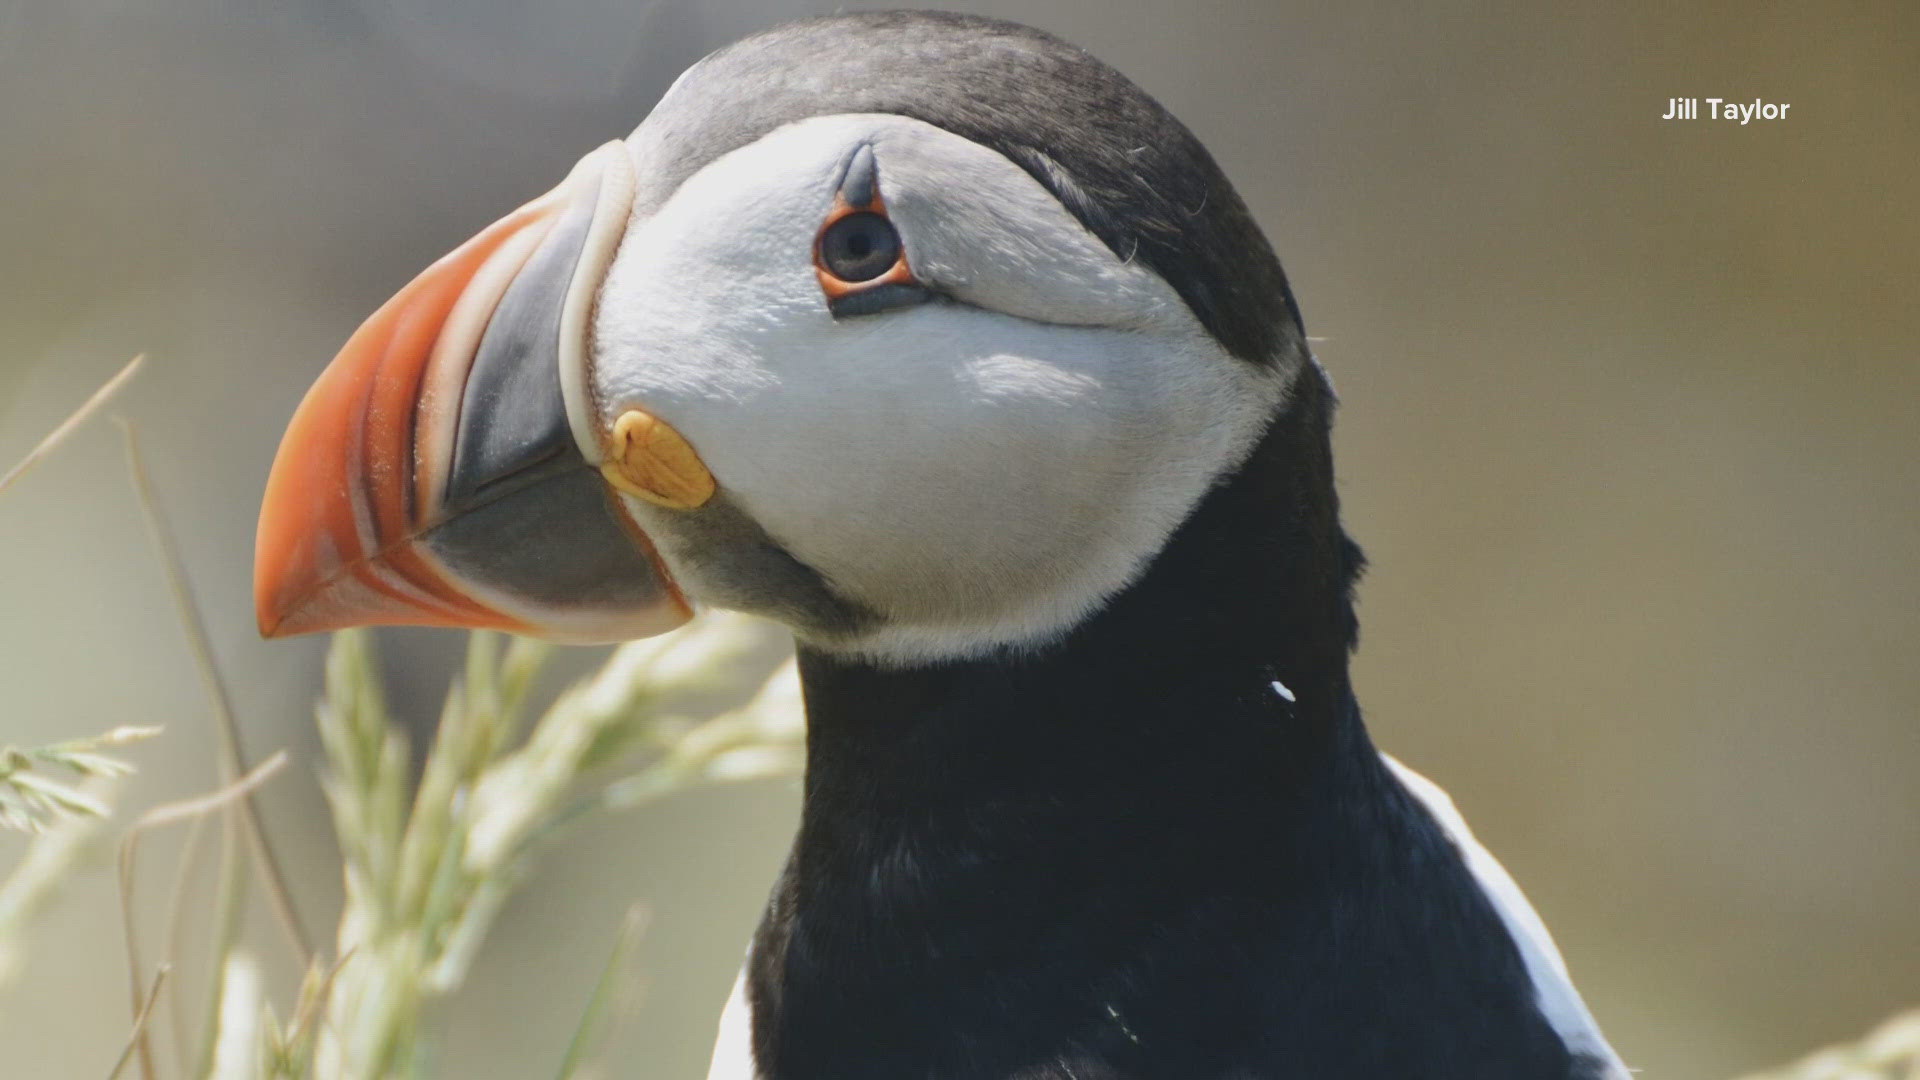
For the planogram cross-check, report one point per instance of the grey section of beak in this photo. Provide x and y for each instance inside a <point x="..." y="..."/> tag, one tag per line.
<point x="557" y="543"/>
<point x="513" y="415"/>
<point x="524" y="516"/>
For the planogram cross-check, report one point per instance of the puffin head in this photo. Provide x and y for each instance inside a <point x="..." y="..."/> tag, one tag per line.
<point x="920" y="333"/>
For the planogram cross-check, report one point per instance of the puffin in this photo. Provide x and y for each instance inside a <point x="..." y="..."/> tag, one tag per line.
<point x="939" y="341"/>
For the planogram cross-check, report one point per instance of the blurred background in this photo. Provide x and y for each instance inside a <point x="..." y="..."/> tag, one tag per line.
<point x="1628" y="432"/>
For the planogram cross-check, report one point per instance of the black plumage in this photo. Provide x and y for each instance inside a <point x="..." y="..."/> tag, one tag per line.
<point x="1128" y="857"/>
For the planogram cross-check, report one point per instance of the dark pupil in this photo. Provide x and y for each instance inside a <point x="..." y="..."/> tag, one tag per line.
<point x="860" y="247"/>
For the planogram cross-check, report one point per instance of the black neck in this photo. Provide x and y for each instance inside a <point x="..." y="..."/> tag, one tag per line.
<point x="977" y="825"/>
<point x="1130" y="856"/>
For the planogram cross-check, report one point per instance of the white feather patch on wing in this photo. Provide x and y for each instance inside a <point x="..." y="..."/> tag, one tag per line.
<point x="733" y="1048"/>
<point x="1553" y="990"/>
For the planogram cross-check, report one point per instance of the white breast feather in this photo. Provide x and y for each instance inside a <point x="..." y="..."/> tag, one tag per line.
<point x="1558" y="1001"/>
<point x="733" y="1049"/>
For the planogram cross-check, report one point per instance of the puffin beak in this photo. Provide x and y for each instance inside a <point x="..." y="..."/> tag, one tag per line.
<point x="447" y="470"/>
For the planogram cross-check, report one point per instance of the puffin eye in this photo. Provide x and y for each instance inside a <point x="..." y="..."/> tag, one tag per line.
<point x="859" y="257"/>
<point x="859" y="247"/>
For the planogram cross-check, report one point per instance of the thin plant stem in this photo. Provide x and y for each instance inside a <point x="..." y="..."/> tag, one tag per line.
<point x="313" y="1009"/>
<point x="67" y="426"/>
<point x="176" y="926"/>
<point x="167" y="814"/>
<point x="232" y="754"/>
<point x="605" y="1001"/>
<point x="140" y="1018"/>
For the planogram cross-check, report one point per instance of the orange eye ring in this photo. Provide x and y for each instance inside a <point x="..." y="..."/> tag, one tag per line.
<point x="833" y="285"/>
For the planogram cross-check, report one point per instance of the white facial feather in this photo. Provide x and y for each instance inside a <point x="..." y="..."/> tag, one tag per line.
<point x="980" y="473"/>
